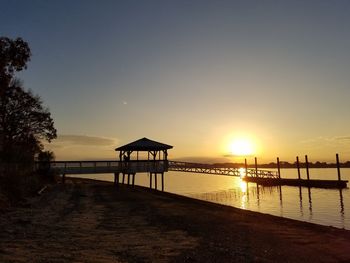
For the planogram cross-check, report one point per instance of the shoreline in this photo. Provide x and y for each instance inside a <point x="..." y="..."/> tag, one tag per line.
<point x="90" y="220"/>
<point x="189" y="196"/>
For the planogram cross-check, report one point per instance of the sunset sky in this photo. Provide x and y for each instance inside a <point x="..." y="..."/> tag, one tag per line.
<point x="193" y="74"/>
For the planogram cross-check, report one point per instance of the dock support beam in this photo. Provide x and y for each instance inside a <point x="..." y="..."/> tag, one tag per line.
<point x="162" y="182"/>
<point x="133" y="179"/>
<point x="150" y="180"/>
<point x="246" y="167"/>
<point x="123" y="177"/>
<point x="338" y="167"/>
<point x="128" y="179"/>
<point x="278" y="168"/>
<point x="116" y="179"/>
<point x="155" y="180"/>
<point x="298" y="167"/>
<point x="256" y="166"/>
<point x="307" y="167"/>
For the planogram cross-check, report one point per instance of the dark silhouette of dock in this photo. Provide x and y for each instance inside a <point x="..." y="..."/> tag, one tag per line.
<point x="130" y="168"/>
<point x="157" y="164"/>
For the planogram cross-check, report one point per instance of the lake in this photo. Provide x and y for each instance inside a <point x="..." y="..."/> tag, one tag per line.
<point x="320" y="206"/>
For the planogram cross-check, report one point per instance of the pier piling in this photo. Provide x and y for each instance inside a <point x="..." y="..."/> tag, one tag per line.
<point x="155" y="181"/>
<point x="298" y="167"/>
<point x="307" y="168"/>
<point x="278" y="167"/>
<point x="162" y="182"/>
<point x="338" y="167"/>
<point x="150" y="180"/>
<point x="116" y="179"/>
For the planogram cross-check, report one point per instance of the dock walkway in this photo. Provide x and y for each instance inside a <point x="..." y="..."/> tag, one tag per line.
<point x="259" y="176"/>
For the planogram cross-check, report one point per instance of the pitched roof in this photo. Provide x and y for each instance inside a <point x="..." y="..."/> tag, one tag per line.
<point x="144" y="144"/>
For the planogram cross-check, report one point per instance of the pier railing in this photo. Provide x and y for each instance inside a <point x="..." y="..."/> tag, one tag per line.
<point x="151" y="166"/>
<point x="219" y="170"/>
<point x="94" y="167"/>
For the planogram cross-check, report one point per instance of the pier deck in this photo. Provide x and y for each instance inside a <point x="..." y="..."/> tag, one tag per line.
<point x="298" y="182"/>
<point x="262" y="177"/>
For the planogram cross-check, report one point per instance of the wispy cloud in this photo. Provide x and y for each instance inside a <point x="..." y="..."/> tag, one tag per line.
<point x="342" y="138"/>
<point x="85" y="140"/>
<point x="332" y="140"/>
<point x="82" y="147"/>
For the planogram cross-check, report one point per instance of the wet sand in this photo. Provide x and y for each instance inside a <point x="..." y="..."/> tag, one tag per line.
<point x="91" y="221"/>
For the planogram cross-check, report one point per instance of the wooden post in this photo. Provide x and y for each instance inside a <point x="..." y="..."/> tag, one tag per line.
<point x="133" y="179"/>
<point x="256" y="167"/>
<point x="128" y="179"/>
<point x="123" y="177"/>
<point x="150" y="180"/>
<point x="298" y="167"/>
<point x="246" y="167"/>
<point x="115" y="178"/>
<point x="278" y="167"/>
<point x="162" y="182"/>
<point x="155" y="181"/>
<point x="338" y="167"/>
<point x="307" y="167"/>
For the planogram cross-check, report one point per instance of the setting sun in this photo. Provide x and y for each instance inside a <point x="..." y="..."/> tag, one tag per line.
<point x="241" y="147"/>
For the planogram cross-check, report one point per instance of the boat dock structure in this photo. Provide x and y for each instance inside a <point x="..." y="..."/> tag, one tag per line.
<point x="132" y="160"/>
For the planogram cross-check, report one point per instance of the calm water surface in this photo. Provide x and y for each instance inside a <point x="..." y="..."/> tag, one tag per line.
<point x="320" y="206"/>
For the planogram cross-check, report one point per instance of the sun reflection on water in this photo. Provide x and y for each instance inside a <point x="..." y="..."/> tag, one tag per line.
<point x="243" y="186"/>
<point x="241" y="172"/>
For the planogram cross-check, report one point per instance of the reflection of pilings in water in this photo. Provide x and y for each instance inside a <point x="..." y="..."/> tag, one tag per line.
<point x="341" y="204"/>
<point x="301" y="201"/>
<point x="280" y="192"/>
<point x="258" y="195"/>
<point x="310" y="200"/>
<point x="247" y="192"/>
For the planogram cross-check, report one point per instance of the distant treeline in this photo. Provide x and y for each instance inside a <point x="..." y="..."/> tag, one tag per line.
<point x="284" y="164"/>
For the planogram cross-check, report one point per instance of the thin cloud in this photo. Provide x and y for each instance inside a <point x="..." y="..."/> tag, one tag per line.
<point x="342" y="138"/>
<point x="84" y="140"/>
<point x="82" y="147"/>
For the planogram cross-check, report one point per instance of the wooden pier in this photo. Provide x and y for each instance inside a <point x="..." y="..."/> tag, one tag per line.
<point x="157" y="163"/>
<point x="156" y="167"/>
<point x="219" y="170"/>
<point x="298" y="182"/>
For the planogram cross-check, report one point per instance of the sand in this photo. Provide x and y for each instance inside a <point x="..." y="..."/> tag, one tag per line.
<point x="91" y="221"/>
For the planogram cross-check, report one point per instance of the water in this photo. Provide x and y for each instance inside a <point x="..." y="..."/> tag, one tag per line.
<point x="320" y="206"/>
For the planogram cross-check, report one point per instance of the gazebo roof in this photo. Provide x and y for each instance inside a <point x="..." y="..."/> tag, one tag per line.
<point x="144" y="144"/>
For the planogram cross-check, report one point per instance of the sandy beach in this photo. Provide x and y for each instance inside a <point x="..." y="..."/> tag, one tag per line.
<point x="92" y="221"/>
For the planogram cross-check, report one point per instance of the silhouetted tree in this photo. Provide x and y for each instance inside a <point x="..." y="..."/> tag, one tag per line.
<point x="25" y="121"/>
<point x="14" y="55"/>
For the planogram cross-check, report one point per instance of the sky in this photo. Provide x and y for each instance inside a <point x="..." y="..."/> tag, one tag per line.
<point x="193" y="74"/>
